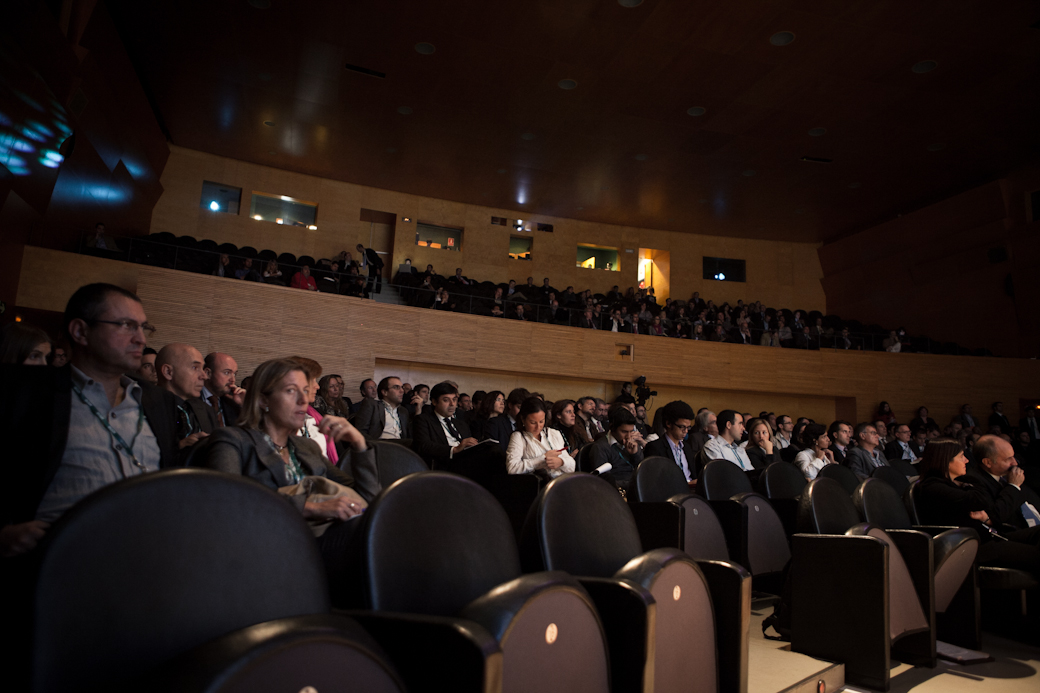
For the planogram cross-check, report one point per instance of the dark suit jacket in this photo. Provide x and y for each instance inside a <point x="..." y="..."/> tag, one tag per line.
<point x="373" y="259"/>
<point x="231" y="411"/>
<point x="244" y="452"/>
<point x="371" y="417"/>
<point x="894" y="451"/>
<point x="601" y="452"/>
<point x="661" y="448"/>
<point x="499" y="428"/>
<point x="758" y="457"/>
<point x="996" y="419"/>
<point x="35" y="404"/>
<point x="944" y="503"/>
<point x="1023" y="425"/>
<point x="1005" y="500"/>
<point x="430" y="441"/>
<point x="861" y="462"/>
<point x="204" y="414"/>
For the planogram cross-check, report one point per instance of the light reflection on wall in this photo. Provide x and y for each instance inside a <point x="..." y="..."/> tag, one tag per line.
<point x="31" y="133"/>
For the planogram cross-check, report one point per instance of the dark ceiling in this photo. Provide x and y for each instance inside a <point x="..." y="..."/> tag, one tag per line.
<point x="483" y="119"/>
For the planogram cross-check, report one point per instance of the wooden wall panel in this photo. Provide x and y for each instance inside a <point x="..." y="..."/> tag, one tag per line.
<point x="358" y="339"/>
<point x="780" y="273"/>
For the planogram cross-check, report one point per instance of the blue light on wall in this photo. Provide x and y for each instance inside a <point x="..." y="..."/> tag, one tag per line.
<point x="214" y="206"/>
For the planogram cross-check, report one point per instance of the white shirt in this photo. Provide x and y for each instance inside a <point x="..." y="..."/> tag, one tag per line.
<point x="310" y="430"/>
<point x="782" y="442"/>
<point x="452" y="440"/>
<point x="810" y="465"/>
<point x="526" y="454"/>
<point x="391" y="423"/>
<point x="718" y="449"/>
<point x="679" y="456"/>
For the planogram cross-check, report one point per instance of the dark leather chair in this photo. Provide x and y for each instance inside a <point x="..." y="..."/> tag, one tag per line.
<point x="858" y="591"/>
<point x="842" y="474"/>
<point x="394" y="461"/>
<point x="953" y="551"/>
<point x="893" y="477"/>
<point x="267" y="255"/>
<point x="782" y="483"/>
<point x="307" y="260"/>
<point x="657" y="607"/>
<point x="184" y="561"/>
<point x="439" y="548"/>
<point x="754" y="532"/>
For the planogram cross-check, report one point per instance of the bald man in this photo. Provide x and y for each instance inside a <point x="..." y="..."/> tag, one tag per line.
<point x="182" y="371"/>
<point x="998" y="473"/>
<point x="220" y="391"/>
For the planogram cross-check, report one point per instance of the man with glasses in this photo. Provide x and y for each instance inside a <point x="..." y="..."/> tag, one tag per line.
<point x="678" y="420"/>
<point x="866" y="456"/>
<point x="74" y="430"/>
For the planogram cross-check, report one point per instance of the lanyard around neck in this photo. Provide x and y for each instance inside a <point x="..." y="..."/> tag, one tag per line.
<point x="141" y="418"/>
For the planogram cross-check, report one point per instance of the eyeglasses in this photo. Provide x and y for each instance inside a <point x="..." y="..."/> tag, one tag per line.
<point x="130" y="326"/>
<point x="684" y="429"/>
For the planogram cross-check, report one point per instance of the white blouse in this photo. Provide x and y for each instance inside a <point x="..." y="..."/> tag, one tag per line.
<point x="526" y="454"/>
<point x="810" y="465"/>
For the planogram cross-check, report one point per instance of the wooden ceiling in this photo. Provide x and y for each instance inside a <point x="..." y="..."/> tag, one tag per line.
<point x="483" y="119"/>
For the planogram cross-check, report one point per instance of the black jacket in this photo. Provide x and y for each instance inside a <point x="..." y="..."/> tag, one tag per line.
<point x="370" y="419"/>
<point x="661" y="448"/>
<point x="430" y="441"/>
<point x="35" y="405"/>
<point x="601" y="452"/>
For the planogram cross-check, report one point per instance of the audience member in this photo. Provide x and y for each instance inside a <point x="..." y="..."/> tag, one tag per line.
<point x="902" y="448"/>
<point x="784" y="432"/>
<point x="865" y="457"/>
<point x="706" y="428"/>
<point x="501" y="427"/>
<point x="247" y="272"/>
<point x="967" y="419"/>
<point x="618" y="449"/>
<point x="367" y="390"/>
<point x="60" y="354"/>
<point x="677" y="420"/>
<point x="223" y="266"/>
<point x="997" y="420"/>
<point x="182" y="372"/>
<point x="726" y="445"/>
<point x="385" y="418"/>
<point x="310" y="429"/>
<point x="219" y="391"/>
<point x="493" y="404"/>
<point x="996" y="469"/>
<point x="840" y="433"/>
<point x="587" y="424"/>
<point x="438" y="435"/>
<point x="922" y="420"/>
<point x="759" y="446"/>
<point x="1030" y="425"/>
<point x="147" y="370"/>
<point x="330" y="399"/>
<point x="465" y="403"/>
<point x="370" y="258"/>
<point x="304" y="280"/>
<point x="815" y="453"/>
<point x="24" y="344"/>
<point x="882" y="431"/>
<point x="564" y="417"/>
<point x="272" y="275"/>
<point x="884" y="413"/>
<point x="535" y="448"/>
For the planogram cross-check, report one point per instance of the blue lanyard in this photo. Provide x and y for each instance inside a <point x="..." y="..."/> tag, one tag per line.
<point x="141" y="418"/>
<point x="187" y="419"/>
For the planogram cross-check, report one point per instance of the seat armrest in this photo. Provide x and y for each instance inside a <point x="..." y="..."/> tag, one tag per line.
<point x="730" y="587"/>
<point x="659" y="524"/>
<point x="933" y="530"/>
<point x="436" y="653"/>
<point x="916" y="549"/>
<point x="628" y="613"/>
<point x="733" y="516"/>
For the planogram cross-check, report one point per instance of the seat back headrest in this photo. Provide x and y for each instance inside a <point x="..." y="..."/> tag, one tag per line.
<point x="880" y="505"/>
<point x="721" y="479"/>
<point x="394" y="461"/>
<point x="432" y="543"/>
<point x="657" y="479"/>
<point x="703" y="537"/>
<point x="893" y="477"/>
<point x="150" y="567"/>
<point x="842" y="474"/>
<point x="825" y="508"/>
<point x="782" y="480"/>
<point x="580" y="524"/>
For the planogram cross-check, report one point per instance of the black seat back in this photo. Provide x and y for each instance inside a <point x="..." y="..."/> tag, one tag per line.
<point x="432" y="543"/>
<point x="655" y="480"/>
<point x="825" y="508"/>
<point x="721" y="479"/>
<point x="394" y="461"/>
<point x="782" y="480"/>
<point x="151" y="567"/>
<point x="579" y="524"/>
<point x="910" y="504"/>
<point x="702" y="536"/>
<point x="842" y="474"/>
<point x="893" y="477"/>
<point x="880" y="505"/>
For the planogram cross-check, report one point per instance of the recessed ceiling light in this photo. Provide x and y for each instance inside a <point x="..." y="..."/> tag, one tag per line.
<point x="697" y="111"/>
<point x="269" y="123"/>
<point x="748" y="173"/>
<point x="640" y="157"/>
<point x="630" y="3"/>
<point x="527" y="136"/>
<point x="260" y="4"/>
<point x="404" y="110"/>
<point x="924" y="66"/>
<point x="406" y="219"/>
<point x="938" y="146"/>
<point x="425" y="48"/>
<point x="854" y="185"/>
<point x="818" y="132"/>
<point x="782" y="38"/>
<point x="567" y="84"/>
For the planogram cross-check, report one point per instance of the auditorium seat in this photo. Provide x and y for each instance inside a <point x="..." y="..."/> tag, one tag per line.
<point x="754" y="532"/>
<point x="288" y="259"/>
<point x="782" y="483"/>
<point x="181" y="563"/>
<point x="953" y="552"/>
<point x="247" y="251"/>
<point x="267" y="255"/>
<point x="893" y="477"/>
<point x="858" y="592"/>
<point x="656" y="606"/>
<point x="395" y="460"/>
<point x="307" y="260"/>
<point x="439" y="547"/>
<point x="842" y="474"/>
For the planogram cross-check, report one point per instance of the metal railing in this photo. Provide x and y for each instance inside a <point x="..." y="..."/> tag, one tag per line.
<point x="476" y="299"/>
